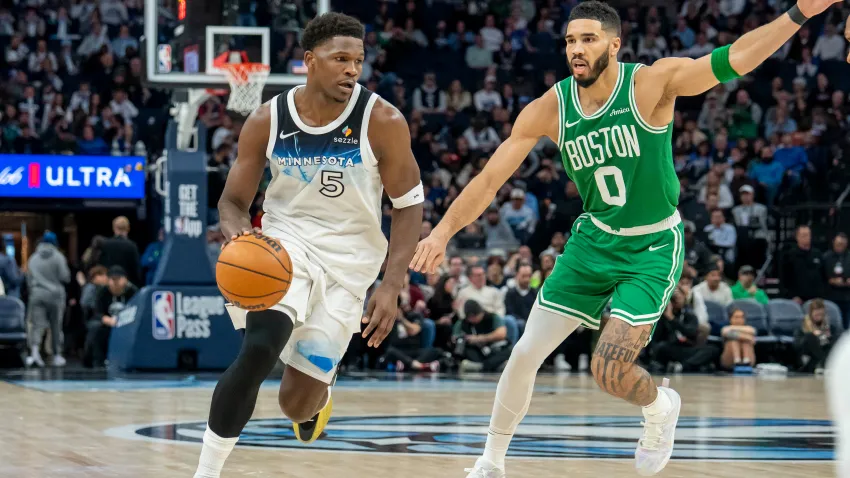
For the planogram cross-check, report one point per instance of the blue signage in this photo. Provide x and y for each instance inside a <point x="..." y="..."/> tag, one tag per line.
<point x="79" y="177"/>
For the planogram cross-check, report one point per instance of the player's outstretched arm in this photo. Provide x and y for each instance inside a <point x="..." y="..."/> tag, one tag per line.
<point x="244" y="177"/>
<point x="534" y="121"/>
<point x="689" y="77"/>
<point x="390" y="139"/>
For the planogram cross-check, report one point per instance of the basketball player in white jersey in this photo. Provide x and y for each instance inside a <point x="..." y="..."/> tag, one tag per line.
<point x="332" y="147"/>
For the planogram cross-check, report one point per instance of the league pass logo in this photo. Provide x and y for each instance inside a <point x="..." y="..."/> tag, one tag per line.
<point x="539" y="437"/>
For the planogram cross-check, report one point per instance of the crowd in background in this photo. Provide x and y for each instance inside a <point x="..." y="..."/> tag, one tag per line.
<point x="461" y="72"/>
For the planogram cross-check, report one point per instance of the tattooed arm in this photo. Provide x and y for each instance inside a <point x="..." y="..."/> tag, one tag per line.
<point x="614" y="367"/>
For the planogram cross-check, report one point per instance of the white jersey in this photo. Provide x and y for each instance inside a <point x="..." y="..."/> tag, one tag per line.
<point x="325" y="192"/>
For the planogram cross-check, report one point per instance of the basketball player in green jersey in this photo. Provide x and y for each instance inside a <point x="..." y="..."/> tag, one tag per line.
<point x="612" y="123"/>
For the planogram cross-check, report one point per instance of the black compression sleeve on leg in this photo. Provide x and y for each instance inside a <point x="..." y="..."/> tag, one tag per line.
<point x="235" y="396"/>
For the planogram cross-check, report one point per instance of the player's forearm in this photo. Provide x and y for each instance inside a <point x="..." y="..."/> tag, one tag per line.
<point x="404" y="233"/>
<point x="471" y="203"/>
<point x="752" y="49"/>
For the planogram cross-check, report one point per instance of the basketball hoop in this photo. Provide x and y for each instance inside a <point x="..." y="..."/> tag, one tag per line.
<point x="247" y="81"/>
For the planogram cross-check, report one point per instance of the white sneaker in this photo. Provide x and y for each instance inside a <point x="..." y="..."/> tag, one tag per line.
<point x="484" y="469"/>
<point x="656" y="445"/>
<point x="34" y="359"/>
<point x="59" y="361"/>
<point x="583" y="362"/>
<point x="561" y="364"/>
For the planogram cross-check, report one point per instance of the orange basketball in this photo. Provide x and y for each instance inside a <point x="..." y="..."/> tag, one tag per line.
<point x="254" y="272"/>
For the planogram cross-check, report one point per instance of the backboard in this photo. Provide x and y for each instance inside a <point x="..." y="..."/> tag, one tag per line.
<point x="183" y="37"/>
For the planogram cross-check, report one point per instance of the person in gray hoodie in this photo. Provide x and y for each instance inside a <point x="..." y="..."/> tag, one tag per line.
<point x="9" y="274"/>
<point x="47" y="274"/>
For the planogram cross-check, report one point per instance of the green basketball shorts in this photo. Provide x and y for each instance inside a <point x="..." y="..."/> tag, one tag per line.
<point x="638" y="271"/>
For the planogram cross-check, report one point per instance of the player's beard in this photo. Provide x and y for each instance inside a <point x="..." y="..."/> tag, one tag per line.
<point x="595" y="71"/>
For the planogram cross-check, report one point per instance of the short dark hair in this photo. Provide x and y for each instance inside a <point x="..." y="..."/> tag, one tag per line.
<point x="329" y="25"/>
<point x="599" y="11"/>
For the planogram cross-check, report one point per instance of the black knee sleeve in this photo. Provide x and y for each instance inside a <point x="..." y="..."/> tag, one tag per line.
<point x="266" y="334"/>
<point x="235" y="396"/>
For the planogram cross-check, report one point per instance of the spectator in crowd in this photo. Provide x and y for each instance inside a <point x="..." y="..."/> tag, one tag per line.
<point x="677" y="338"/>
<point x="520" y="298"/>
<point x="485" y="296"/>
<point x="519" y="216"/>
<point x="696" y="304"/>
<point x="97" y="277"/>
<point x="813" y="339"/>
<point x="739" y="341"/>
<point x="499" y="234"/>
<point x="47" y="275"/>
<point x="830" y="46"/>
<point x="442" y="311"/>
<point x="487" y="98"/>
<point x="481" y="340"/>
<point x="836" y="267"/>
<point x="697" y="254"/>
<point x="746" y="287"/>
<point x="10" y="276"/>
<point x="751" y="227"/>
<point x="404" y="346"/>
<point x="801" y="272"/>
<point x="119" y="250"/>
<point x="480" y="136"/>
<point x="428" y="98"/>
<point x="713" y="288"/>
<point x="109" y="302"/>
<point x="478" y="57"/>
<point x="722" y="237"/>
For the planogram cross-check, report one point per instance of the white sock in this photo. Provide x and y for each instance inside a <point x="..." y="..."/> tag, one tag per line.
<point x="213" y="455"/>
<point x="543" y="333"/>
<point x="661" y="406"/>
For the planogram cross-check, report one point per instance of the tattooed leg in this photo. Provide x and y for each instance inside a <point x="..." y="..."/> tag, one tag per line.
<point x="614" y="367"/>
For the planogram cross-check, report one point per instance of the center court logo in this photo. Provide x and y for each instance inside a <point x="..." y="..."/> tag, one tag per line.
<point x="540" y="437"/>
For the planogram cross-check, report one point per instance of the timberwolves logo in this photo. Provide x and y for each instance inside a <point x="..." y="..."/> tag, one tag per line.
<point x="541" y="437"/>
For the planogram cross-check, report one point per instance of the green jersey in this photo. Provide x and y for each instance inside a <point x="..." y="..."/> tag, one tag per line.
<point x="622" y="166"/>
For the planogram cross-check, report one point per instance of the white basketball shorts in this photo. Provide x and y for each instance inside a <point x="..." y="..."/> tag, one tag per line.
<point x="325" y="316"/>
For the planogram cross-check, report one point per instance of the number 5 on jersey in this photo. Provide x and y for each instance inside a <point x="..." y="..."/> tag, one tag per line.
<point x="332" y="184"/>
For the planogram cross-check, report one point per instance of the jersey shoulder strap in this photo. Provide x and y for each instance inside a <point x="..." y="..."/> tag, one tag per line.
<point x="563" y="91"/>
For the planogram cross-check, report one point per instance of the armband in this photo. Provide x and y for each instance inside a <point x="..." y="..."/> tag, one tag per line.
<point x="411" y="198"/>
<point x="720" y="65"/>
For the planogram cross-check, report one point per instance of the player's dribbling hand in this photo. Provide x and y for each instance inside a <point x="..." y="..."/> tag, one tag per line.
<point x="231" y="233"/>
<point x="381" y="312"/>
<point x="429" y="254"/>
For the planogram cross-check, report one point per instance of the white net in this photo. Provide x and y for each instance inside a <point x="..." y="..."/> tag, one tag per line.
<point x="247" y="81"/>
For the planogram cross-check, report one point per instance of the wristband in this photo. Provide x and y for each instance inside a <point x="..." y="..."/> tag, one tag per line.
<point x="796" y="15"/>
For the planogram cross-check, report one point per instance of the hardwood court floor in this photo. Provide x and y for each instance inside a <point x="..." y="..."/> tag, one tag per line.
<point x="403" y="427"/>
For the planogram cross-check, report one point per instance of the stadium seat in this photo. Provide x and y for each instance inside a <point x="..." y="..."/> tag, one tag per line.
<point x="834" y="314"/>
<point x="12" y="326"/>
<point x="717" y="317"/>
<point x="785" y="318"/>
<point x="757" y="317"/>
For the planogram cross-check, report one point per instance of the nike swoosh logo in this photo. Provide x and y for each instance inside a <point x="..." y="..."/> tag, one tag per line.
<point x="570" y="125"/>
<point x="284" y="136"/>
<point x="654" y="248"/>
